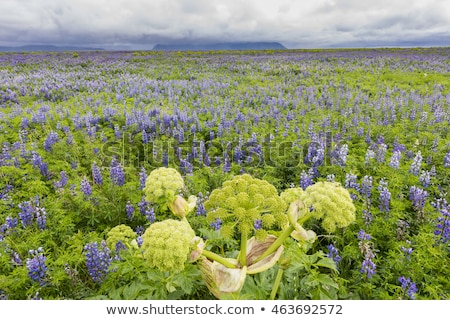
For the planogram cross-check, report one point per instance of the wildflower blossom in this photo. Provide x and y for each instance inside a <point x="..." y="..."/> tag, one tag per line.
<point x="116" y="173"/>
<point x="415" y="165"/>
<point x="85" y="187"/>
<point x="96" y="174"/>
<point x="408" y="286"/>
<point x="333" y="253"/>
<point x="98" y="260"/>
<point x="37" y="269"/>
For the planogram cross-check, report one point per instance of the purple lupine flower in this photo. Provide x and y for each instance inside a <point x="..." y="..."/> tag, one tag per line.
<point x="216" y="224"/>
<point x="442" y="228"/>
<point x="85" y="187"/>
<point x="367" y="216"/>
<point x="11" y="223"/>
<point x="37" y="269"/>
<point x="368" y="267"/>
<point x="98" y="260"/>
<point x="407" y="251"/>
<point x="395" y="159"/>
<point x="425" y="178"/>
<point x="370" y="154"/>
<point x="51" y="139"/>
<point x="145" y="137"/>
<point x="418" y="197"/>
<point x="200" y="208"/>
<point x="381" y="152"/>
<point x="366" y="186"/>
<point x="16" y="259"/>
<point x="257" y="224"/>
<point x="447" y="160"/>
<point x="415" y="165"/>
<point x="26" y="214"/>
<point x="116" y="173"/>
<point x="96" y="174"/>
<point x="41" y="217"/>
<point x="40" y="164"/>
<point x="362" y="235"/>
<point x="333" y="253"/>
<point x="129" y="209"/>
<point x="62" y="181"/>
<point x="408" y="286"/>
<point x="139" y="241"/>
<point x="305" y="180"/>
<point x="142" y="178"/>
<point x="385" y="196"/>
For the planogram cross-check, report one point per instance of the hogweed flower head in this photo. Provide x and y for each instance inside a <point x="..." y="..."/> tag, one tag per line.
<point x="243" y="200"/>
<point x="120" y="233"/>
<point x="331" y="203"/>
<point x="167" y="244"/>
<point x="163" y="185"/>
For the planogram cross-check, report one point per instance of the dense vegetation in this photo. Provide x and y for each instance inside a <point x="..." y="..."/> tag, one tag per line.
<point x="81" y="133"/>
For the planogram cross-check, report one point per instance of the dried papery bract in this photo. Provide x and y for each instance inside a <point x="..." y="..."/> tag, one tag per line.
<point x="221" y="281"/>
<point x="256" y="248"/>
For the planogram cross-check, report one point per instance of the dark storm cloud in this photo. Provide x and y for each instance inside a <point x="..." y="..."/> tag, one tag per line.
<point x="143" y="23"/>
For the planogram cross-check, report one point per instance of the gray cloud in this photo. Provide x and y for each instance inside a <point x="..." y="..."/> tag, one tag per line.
<point x="143" y="23"/>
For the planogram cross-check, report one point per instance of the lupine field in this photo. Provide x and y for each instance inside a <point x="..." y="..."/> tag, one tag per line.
<point x="145" y="175"/>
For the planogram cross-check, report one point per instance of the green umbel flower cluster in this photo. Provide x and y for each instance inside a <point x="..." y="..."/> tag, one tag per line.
<point x="121" y="233"/>
<point x="167" y="244"/>
<point x="330" y="202"/>
<point x="163" y="185"/>
<point x="242" y="201"/>
<point x="291" y="194"/>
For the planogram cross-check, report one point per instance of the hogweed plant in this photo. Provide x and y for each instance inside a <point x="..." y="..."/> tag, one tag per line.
<point x="246" y="210"/>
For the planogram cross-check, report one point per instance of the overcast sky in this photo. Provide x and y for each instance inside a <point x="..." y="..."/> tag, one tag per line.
<point x="140" y="24"/>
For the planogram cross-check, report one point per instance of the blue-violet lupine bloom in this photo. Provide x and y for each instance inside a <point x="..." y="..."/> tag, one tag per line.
<point x="395" y="159"/>
<point x="216" y="224"/>
<point x="26" y="214"/>
<point x="62" y="181"/>
<point x="425" y="178"/>
<point x="129" y="209"/>
<point x="257" y="224"/>
<point x="333" y="253"/>
<point x="51" y="139"/>
<point x="98" y="260"/>
<point x="366" y="186"/>
<point x="362" y="235"/>
<point x="415" y="165"/>
<point x="443" y="223"/>
<point x="368" y="267"/>
<point x="306" y="180"/>
<point x="85" y="187"/>
<point x="142" y="178"/>
<point x="116" y="173"/>
<point x="408" y="286"/>
<point x="447" y="160"/>
<point x="37" y="269"/>
<point x="385" y="196"/>
<point x="96" y="174"/>
<point x="41" y="217"/>
<point x="418" y="197"/>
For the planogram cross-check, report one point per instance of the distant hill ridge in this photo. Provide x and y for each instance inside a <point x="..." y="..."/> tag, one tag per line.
<point x="46" y="48"/>
<point x="222" y="46"/>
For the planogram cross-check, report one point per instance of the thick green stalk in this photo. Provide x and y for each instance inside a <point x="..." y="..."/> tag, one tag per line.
<point x="275" y="245"/>
<point x="215" y="257"/>
<point x="243" y="254"/>
<point x="276" y="284"/>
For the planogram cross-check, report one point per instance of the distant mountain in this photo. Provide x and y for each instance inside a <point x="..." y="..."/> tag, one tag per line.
<point x="221" y="46"/>
<point x="46" y="48"/>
